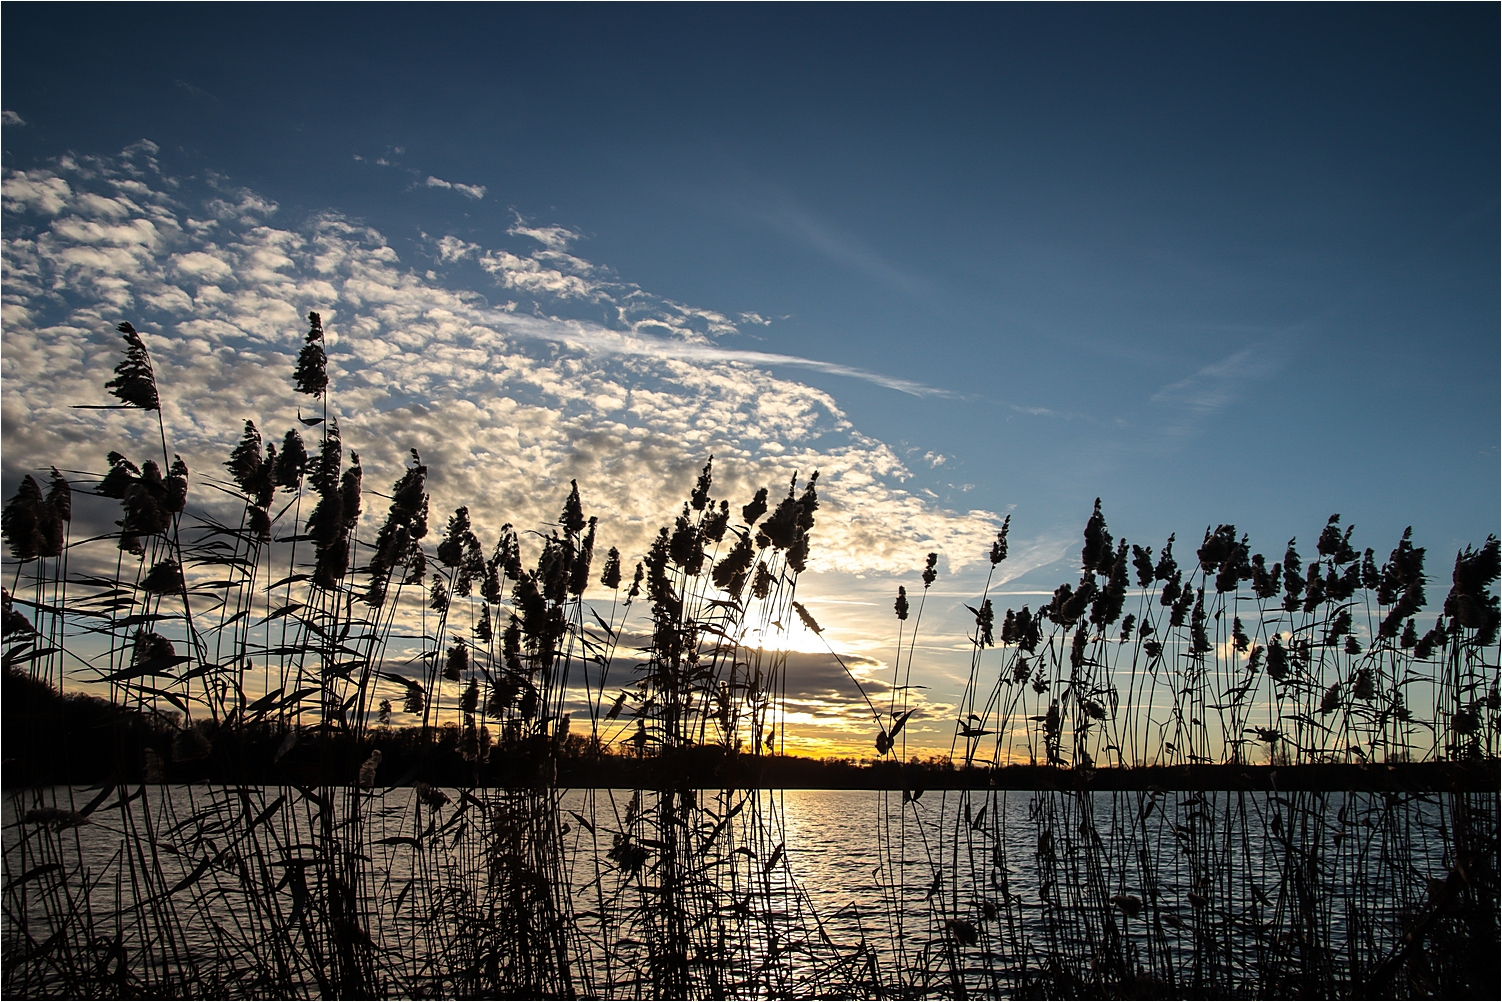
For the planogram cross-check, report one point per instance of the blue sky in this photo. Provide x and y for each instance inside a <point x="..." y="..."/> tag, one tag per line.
<point x="1231" y="264"/>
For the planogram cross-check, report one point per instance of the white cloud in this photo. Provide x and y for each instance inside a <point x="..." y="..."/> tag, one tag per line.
<point x="242" y="206"/>
<point x="604" y="341"/>
<point x="555" y="238"/>
<point x="529" y="274"/>
<point x="201" y="265"/>
<point x="35" y="190"/>
<point x="475" y="191"/>
<point x="8" y="117"/>
<point x="451" y="248"/>
<point x="506" y="405"/>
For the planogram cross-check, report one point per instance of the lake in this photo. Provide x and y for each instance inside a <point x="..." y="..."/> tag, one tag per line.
<point x="410" y="891"/>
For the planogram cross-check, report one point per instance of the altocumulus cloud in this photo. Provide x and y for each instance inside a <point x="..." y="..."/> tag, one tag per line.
<point x="507" y="400"/>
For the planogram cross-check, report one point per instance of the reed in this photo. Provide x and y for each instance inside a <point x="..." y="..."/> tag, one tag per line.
<point x="266" y="628"/>
<point x="1325" y="892"/>
<point x="277" y="628"/>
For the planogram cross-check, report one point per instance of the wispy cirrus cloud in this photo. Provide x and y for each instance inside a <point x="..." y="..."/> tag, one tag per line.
<point x="193" y="90"/>
<point x="845" y="249"/>
<point x="1216" y="385"/>
<point x="774" y="208"/>
<point x="604" y="341"/>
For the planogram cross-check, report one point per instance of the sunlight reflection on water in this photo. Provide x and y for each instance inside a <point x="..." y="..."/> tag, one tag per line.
<point x="877" y="870"/>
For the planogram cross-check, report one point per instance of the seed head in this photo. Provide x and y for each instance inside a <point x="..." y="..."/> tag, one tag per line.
<point x="700" y="496"/>
<point x="311" y="375"/>
<point x="11" y="621"/>
<point x="1142" y="560"/>
<point x="134" y="382"/>
<point x="116" y="483"/>
<point x="610" y="577"/>
<point x="999" y="548"/>
<point x="762" y="585"/>
<point x="23" y="519"/>
<point x="291" y="462"/>
<point x="246" y="460"/>
<point x="572" y="518"/>
<point x="730" y="573"/>
<point x="1097" y="551"/>
<point x="579" y="580"/>
<point x="1167" y="566"/>
<point x="756" y="509"/>
<point x="808" y="620"/>
<point x="715" y="523"/>
<point x="165" y="578"/>
<point x="635" y="583"/>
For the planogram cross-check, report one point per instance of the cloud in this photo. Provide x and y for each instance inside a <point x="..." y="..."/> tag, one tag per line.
<point x="840" y="247"/>
<point x="601" y="340"/>
<point x="1216" y="385"/>
<point x="475" y="191"/>
<point x="555" y="238"/>
<point x="797" y="223"/>
<point x="239" y="205"/>
<point x="35" y="191"/>
<point x="506" y="406"/>
<point x="8" y="117"/>
<point x="193" y="90"/>
<point x="559" y="277"/>
<point x="451" y="248"/>
<point x="815" y="689"/>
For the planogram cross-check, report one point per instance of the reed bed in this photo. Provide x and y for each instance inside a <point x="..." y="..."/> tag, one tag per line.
<point x="282" y="624"/>
<point x="266" y="624"/>
<point x="1225" y="661"/>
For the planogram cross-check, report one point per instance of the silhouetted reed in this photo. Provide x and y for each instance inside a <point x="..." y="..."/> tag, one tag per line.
<point x="1322" y="891"/>
<point x="279" y="626"/>
<point x="270" y="628"/>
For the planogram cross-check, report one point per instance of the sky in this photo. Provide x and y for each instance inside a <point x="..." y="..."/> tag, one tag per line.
<point x="1210" y="264"/>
